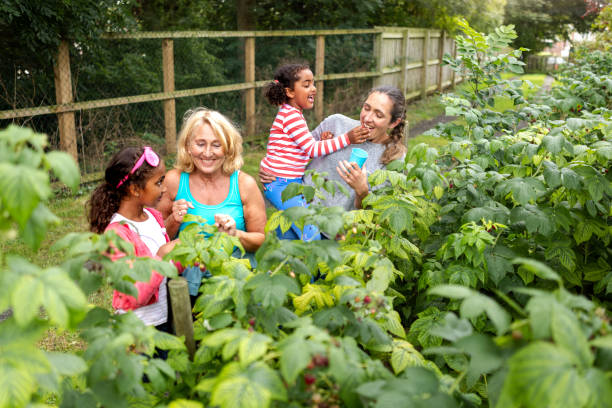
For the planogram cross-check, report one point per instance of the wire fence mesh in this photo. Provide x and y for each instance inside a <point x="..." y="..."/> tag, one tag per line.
<point x="123" y="68"/>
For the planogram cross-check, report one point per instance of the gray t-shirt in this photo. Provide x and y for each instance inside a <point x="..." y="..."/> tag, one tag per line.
<point x="338" y="125"/>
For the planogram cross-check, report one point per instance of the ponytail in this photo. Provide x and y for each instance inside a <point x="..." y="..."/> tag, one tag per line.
<point x="284" y="77"/>
<point x="395" y="147"/>
<point x="103" y="203"/>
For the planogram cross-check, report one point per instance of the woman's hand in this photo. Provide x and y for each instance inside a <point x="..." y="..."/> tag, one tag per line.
<point x="226" y="224"/>
<point x="179" y="209"/>
<point x="359" y="135"/>
<point x="266" y="177"/>
<point x="356" y="178"/>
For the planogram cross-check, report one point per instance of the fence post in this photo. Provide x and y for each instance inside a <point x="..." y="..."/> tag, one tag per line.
<point x="320" y="71"/>
<point x="440" y="57"/>
<point x="181" y="312"/>
<point x="425" y="60"/>
<point x="453" y="73"/>
<point x="403" y="81"/>
<point x="378" y="52"/>
<point x="169" y="104"/>
<point x="249" y="76"/>
<point x="63" y="94"/>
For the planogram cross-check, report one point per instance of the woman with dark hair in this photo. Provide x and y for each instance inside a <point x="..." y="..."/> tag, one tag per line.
<point x="383" y="113"/>
<point x="291" y="145"/>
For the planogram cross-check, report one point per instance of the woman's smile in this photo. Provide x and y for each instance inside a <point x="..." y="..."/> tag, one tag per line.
<point x="206" y="150"/>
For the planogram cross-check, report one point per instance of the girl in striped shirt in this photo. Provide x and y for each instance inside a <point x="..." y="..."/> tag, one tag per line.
<point x="291" y="145"/>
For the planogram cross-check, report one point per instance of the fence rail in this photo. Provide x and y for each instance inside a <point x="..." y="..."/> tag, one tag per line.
<point x="409" y="58"/>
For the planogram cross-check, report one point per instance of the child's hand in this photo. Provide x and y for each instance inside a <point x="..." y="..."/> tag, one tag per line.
<point x="179" y="209"/>
<point x="266" y="177"/>
<point x="225" y="223"/>
<point x="327" y="135"/>
<point x="358" y="135"/>
<point x="166" y="248"/>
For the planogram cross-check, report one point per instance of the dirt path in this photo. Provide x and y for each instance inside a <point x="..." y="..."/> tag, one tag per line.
<point x="425" y="125"/>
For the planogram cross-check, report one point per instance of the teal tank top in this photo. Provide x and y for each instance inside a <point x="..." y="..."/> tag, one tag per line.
<point x="232" y="205"/>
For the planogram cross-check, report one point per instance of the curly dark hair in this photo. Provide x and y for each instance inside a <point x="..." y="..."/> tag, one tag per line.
<point x="107" y="197"/>
<point x="284" y="77"/>
<point x="395" y="147"/>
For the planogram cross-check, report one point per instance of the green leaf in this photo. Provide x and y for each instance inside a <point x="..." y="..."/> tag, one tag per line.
<point x="554" y="144"/>
<point x="167" y="341"/>
<point x="568" y="334"/>
<point x="539" y="269"/>
<point x="451" y="291"/>
<point x="21" y="361"/>
<point x="292" y="190"/>
<point x="534" y="220"/>
<point x="36" y="227"/>
<point x="600" y="388"/>
<point x="452" y="328"/>
<point x="183" y="403"/>
<point x="498" y="262"/>
<point x="65" y="168"/>
<point x="272" y="291"/>
<point x="485" y="356"/>
<point x="253" y="347"/>
<point x="294" y="358"/>
<point x="474" y="304"/>
<point x="605" y="341"/>
<point x="21" y="189"/>
<point x="405" y="355"/>
<point x="543" y="375"/>
<point x="552" y="175"/>
<point x="254" y="387"/>
<point x="523" y="190"/>
<point x="570" y="179"/>
<point x="66" y="364"/>
<point x="27" y="299"/>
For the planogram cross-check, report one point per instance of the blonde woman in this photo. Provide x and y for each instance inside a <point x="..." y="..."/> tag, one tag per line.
<point x="207" y="181"/>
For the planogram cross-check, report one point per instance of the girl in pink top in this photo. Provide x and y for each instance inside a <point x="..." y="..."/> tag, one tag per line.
<point x="132" y="184"/>
<point x="291" y="145"/>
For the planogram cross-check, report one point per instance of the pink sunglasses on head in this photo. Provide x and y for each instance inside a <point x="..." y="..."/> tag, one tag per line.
<point x="149" y="155"/>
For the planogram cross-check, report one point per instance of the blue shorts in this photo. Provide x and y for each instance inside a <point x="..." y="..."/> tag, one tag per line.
<point x="273" y="192"/>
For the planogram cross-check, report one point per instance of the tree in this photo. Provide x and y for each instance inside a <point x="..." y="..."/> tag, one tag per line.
<point x="539" y="22"/>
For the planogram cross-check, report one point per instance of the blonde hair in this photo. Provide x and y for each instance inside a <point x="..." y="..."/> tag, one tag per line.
<point x="228" y="136"/>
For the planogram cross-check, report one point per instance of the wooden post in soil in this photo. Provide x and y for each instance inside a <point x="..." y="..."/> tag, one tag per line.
<point x="378" y="52"/>
<point x="169" y="104"/>
<point x="425" y="62"/>
<point x="249" y="77"/>
<point x="320" y="71"/>
<point x="181" y="312"/>
<point x="63" y="94"/>
<point x="453" y="73"/>
<point x="440" y="57"/>
<point x="404" y="61"/>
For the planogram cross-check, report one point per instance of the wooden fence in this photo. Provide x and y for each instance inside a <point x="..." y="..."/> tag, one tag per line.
<point x="408" y="58"/>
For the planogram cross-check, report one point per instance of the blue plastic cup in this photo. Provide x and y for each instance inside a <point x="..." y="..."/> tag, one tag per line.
<point x="358" y="156"/>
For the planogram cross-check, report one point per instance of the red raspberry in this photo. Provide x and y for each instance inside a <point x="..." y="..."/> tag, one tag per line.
<point x="320" y="361"/>
<point x="367" y="299"/>
<point x="309" y="379"/>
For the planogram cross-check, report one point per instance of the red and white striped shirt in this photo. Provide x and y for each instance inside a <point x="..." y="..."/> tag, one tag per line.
<point x="291" y="145"/>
